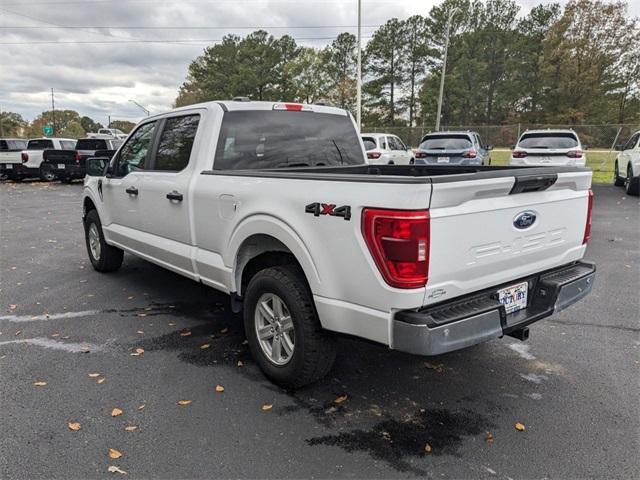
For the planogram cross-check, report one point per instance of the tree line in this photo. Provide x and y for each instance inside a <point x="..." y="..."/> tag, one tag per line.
<point x="67" y="123"/>
<point x="576" y="65"/>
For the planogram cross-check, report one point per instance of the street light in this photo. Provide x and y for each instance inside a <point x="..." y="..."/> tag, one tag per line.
<point x="444" y="65"/>
<point x="359" y="73"/>
<point x="136" y="103"/>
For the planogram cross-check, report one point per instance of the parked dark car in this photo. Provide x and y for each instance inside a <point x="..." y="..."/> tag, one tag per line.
<point x="68" y="165"/>
<point x="453" y="148"/>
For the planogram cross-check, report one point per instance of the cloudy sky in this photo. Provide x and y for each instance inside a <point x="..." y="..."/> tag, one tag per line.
<point x="122" y="50"/>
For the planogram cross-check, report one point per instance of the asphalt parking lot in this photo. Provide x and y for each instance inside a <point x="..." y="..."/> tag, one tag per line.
<point x="574" y="384"/>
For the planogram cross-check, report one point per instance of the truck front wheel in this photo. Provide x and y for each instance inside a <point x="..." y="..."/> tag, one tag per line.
<point x="104" y="258"/>
<point x="283" y="330"/>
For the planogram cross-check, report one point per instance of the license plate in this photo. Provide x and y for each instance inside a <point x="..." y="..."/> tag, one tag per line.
<point x="514" y="298"/>
<point x="61" y="166"/>
<point x="443" y="159"/>
<point x="9" y="166"/>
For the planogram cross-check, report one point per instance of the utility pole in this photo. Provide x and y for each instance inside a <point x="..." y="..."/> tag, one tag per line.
<point x="359" y="68"/>
<point x="444" y="66"/>
<point x="109" y="121"/>
<point x="141" y="107"/>
<point x="53" y="114"/>
<point x="1" y="128"/>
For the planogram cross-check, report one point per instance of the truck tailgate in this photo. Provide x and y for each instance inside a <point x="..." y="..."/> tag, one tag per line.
<point x="483" y="233"/>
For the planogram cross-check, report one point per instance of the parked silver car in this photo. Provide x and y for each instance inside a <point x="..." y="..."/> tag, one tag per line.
<point x="453" y="148"/>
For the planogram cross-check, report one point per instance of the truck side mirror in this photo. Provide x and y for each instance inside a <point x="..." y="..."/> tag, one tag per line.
<point x="97" y="166"/>
<point x="490" y="147"/>
<point x="620" y="147"/>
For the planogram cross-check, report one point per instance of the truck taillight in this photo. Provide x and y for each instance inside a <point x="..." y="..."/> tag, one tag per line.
<point x="399" y="243"/>
<point x="421" y="154"/>
<point x="373" y="155"/>
<point x="78" y="157"/>
<point x="587" y="227"/>
<point x="470" y="154"/>
<point x="25" y="157"/>
<point x="574" y="153"/>
<point x="519" y="154"/>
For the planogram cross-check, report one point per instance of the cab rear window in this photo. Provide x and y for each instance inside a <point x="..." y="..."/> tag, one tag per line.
<point x="279" y="139"/>
<point x="92" y="144"/>
<point x="548" y="140"/>
<point x="369" y="143"/>
<point x="39" y="144"/>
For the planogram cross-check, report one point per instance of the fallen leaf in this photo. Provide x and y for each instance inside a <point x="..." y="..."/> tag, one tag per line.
<point x="141" y="406"/>
<point x="488" y="437"/>
<point x="75" y="426"/>
<point x="85" y="349"/>
<point x="113" y="453"/>
<point x="130" y="298"/>
<point x="427" y="448"/>
<point x="114" y="469"/>
<point x="185" y="333"/>
<point x="56" y="334"/>
<point x="13" y="306"/>
<point x="219" y="388"/>
<point x="116" y="412"/>
<point x="240" y="364"/>
<point x="520" y="426"/>
<point x="140" y="332"/>
<point x="184" y="402"/>
<point x="142" y="314"/>
<point x="101" y="380"/>
<point x="39" y="383"/>
<point x="267" y="407"/>
<point x="341" y="399"/>
<point x="172" y="324"/>
<point x="224" y="330"/>
<point x="137" y="352"/>
<point x="130" y="428"/>
<point x="17" y="333"/>
<point x="204" y="346"/>
<point x="94" y="375"/>
<point x="431" y="366"/>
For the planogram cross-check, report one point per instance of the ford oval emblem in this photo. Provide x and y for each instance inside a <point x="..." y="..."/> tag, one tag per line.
<point x="524" y="220"/>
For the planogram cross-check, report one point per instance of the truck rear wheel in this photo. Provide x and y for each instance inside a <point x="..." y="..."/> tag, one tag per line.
<point x="104" y="258"/>
<point x="283" y="330"/>
<point x="46" y="173"/>
<point x="618" y="181"/>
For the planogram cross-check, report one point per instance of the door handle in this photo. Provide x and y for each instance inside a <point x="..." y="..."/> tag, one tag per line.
<point x="132" y="191"/>
<point x="174" y="196"/>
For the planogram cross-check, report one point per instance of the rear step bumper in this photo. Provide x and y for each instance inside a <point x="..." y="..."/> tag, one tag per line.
<point x="478" y="317"/>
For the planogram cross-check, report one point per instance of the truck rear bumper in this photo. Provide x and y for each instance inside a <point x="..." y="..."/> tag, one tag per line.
<point x="475" y="318"/>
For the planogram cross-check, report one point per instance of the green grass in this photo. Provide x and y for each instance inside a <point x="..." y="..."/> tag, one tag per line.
<point x="600" y="161"/>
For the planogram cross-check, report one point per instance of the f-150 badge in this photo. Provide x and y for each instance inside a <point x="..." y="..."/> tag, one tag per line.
<point x="318" y="209"/>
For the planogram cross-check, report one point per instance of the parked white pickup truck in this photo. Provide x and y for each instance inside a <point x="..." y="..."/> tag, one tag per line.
<point x="31" y="158"/>
<point x="10" y="153"/>
<point x="273" y="203"/>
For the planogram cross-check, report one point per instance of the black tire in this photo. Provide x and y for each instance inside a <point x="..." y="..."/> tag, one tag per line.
<point x="631" y="183"/>
<point x="315" y="349"/>
<point x="109" y="258"/>
<point x="412" y="161"/>
<point x="618" y="181"/>
<point x="46" y="173"/>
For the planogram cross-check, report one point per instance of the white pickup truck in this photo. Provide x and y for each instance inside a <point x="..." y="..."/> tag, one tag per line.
<point x="10" y="153"/>
<point x="273" y="204"/>
<point x="31" y="159"/>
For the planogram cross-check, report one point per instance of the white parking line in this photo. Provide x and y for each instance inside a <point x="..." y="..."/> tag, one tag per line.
<point x="48" y="316"/>
<point x="56" y="345"/>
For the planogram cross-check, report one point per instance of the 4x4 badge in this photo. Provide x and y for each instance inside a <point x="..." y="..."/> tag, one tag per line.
<point x="318" y="209"/>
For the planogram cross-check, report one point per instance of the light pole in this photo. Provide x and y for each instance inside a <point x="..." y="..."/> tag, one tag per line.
<point x="444" y="66"/>
<point x="143" y="109"/>
<point x="359" y="68"/>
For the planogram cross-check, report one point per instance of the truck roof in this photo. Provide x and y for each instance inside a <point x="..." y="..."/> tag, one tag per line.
<point x="236" y="105"/>
<point x="53" y="138"/>
<point x="551" y="130"/>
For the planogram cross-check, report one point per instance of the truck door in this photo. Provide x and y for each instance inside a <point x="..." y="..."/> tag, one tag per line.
<point x="165" y="202"/>
<point x="121" y="189"/>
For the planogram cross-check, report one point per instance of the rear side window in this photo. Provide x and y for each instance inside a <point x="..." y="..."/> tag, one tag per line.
<point x="176" y="142"/>
<point x="446" y="142"/>
<point x="91" y="144"/>
<point x="278" y="139"/>
<point x="369" y="143"/>
<point x="548" y="140"/>
<point x="4" y="145"/>
<point x="39" y="144"/>
<point x="68" y="144"/>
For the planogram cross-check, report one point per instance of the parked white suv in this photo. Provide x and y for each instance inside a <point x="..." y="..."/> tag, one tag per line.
<point x="273" y="203"/>
<point x="384" y="148"/>
<point x="627" y="169"/>
<point x="548" y="148"/>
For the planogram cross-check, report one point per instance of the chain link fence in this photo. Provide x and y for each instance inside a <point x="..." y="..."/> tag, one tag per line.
<point x="505" y="136"/>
